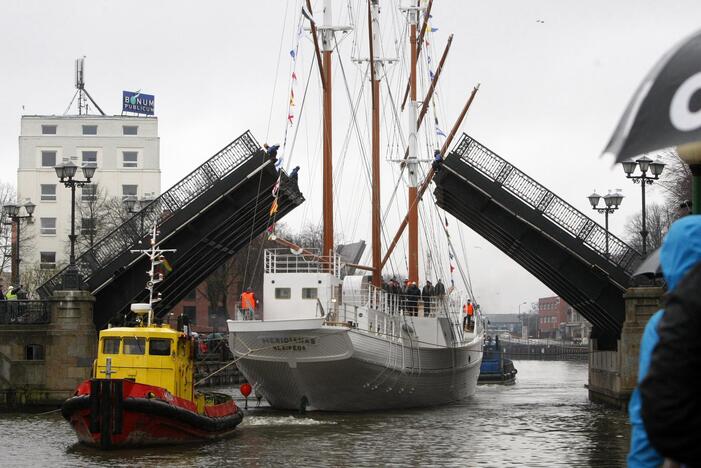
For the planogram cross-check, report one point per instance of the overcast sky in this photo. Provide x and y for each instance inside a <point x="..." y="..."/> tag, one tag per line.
<point x="555" y="77"/>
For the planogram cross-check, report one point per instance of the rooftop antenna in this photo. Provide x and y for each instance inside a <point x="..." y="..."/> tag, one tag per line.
<point x="81" y="93"/>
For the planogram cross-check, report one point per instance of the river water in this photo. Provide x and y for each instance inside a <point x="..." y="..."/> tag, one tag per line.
<point x="544" y="419"/>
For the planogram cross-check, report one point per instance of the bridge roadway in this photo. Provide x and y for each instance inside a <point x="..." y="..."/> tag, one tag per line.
<point x="552" y="240"/>
<point x="207" y="217"/>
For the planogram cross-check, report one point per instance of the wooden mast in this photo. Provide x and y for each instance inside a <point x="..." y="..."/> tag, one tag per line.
<point x="430" y="174"/>
<point x="412" y="159"/>
<point x="326" y="42"/>
<point x="373" y="10"/>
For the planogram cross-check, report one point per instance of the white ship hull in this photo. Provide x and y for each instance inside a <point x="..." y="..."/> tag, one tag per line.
<point x="338" y="368"/>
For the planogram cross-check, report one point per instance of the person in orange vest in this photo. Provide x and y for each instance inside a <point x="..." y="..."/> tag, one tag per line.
<point x="469" y="310"/>
<point x="248" y="303"/>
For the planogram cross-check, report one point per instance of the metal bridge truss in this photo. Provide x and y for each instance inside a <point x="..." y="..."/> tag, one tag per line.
<point x="207" y="217"/>
<point x="551" y="239"/>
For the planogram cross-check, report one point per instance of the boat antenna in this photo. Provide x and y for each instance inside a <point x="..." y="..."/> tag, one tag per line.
<point x="155" y="255"/>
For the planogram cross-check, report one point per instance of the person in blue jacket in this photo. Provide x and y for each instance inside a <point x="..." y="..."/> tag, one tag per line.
<point x="681" y="250"/>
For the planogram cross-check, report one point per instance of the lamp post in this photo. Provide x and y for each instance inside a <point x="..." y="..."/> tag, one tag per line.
<point x="524" y="326"/>
<point x="66" y="173"/>
<point x="644" y="164"/>
<point x="12" y="212"/>
<point x="690" y="153"/>
<point x="611" y="203"/>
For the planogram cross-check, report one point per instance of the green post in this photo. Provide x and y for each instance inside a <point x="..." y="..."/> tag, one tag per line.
<point x="695" y="188"/>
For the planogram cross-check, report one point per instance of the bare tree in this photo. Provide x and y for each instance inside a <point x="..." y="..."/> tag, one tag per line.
<point x="675" y="181"/>
<point x="97" y="214"/>
<point x="658" y="217"/>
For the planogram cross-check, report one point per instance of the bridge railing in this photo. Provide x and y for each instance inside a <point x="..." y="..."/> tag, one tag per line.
<point x="138" y="226"/>
<point x="530" y="192"/>
<point x="21" y="312"/>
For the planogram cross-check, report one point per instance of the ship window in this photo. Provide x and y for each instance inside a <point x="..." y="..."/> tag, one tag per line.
<point x="110" y="346"/>
<point x="134" y="345"/>
<point x="309" y="293"/>
<point x="159" y="347"/>
<point x="283" y="293"/>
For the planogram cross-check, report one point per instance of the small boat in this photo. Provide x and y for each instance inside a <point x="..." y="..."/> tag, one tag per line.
<point x="495" y="368"/>
<point x="142" y="391"/>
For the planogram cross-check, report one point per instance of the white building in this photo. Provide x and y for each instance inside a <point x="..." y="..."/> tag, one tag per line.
<point x="126" y="150"/>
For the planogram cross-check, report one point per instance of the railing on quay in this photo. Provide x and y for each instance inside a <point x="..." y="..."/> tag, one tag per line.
<point x="138" y="226"/>
<point x="20" y="312"/>
<point x="561" y="213"/>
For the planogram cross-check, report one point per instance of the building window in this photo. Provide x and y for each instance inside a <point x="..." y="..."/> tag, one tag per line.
<point x="89" y="129"/>
<point x="89" y="192"/>
<point x="34" y="352"/>
<point x="48" y="158"/>
<point x="158" y="347"/>
<point x="283" y="293"/>
<point x="87" y="226"/>
<point x="89" y="157"/>
<point x="48" y="226"/>
<point x="309" y="293"/>
<point x="110" y="346"/>
<point x="47" y="260"/>
<point x="129" y="191"/>
<point x="48" y="129"/>
<point x="48" y="192"/>
<point x="129" y="158"/>
<point x="130" y="130"/>
<point x="191" y="313"/>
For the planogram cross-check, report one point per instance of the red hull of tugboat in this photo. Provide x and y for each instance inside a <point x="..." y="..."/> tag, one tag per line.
<point x="115" y="413"/>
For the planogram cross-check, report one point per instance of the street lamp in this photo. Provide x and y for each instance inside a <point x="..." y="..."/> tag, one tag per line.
<point x="66" y="172"/>
<point x="12" y="212"/>
<point x="611" y="203"/>
<point x="523" y="321"/>
<point x="690" y="153"/>
<point x="645" y="164"/>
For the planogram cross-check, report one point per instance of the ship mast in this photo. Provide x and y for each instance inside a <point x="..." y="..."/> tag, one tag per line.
<point x="412" y="163"/>
<point x="327" y="46"/>
<point x="375" y="69"/>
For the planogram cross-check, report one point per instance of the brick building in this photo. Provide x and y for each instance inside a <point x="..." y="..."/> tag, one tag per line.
<point x="558" y="320"/>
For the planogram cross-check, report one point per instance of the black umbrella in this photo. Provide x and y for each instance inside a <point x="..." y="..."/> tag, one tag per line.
<point x="650" y="266"/>
<point x="666" y="109"/>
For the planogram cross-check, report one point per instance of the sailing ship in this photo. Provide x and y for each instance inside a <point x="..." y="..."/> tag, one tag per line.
<point x="334" y="340"/>
<point x="142" y="391"/>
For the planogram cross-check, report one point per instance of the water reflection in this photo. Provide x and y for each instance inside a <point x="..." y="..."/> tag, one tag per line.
<point x="543" y="420"/>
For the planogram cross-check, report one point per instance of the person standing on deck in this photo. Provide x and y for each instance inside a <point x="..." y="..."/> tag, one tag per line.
<point x="412" y="301"/>
<point x="248" y="303"/>
<point x="469" y="311"/>
<point x="427" y="295"/>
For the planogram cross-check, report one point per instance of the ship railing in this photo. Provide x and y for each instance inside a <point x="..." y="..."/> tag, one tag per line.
<point x="20" y="312"/>
<point x="283" y="260"/>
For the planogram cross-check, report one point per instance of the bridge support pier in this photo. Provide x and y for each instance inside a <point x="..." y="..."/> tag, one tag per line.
<point x="45" y="355"/>
<point x="613" y="374"/>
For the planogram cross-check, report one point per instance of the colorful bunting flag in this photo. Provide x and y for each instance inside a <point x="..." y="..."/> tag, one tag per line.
<point x="439" y="132"/>
<point x="274" y="207"/>
<point x="289" y="118"/>
<point x="293" y="54"/>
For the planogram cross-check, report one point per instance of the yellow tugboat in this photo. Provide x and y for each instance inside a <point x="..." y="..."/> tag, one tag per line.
<point x="142" y="388"/>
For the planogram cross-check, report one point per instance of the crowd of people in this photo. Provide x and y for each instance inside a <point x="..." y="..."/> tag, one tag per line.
<point x="14" y="293"/>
